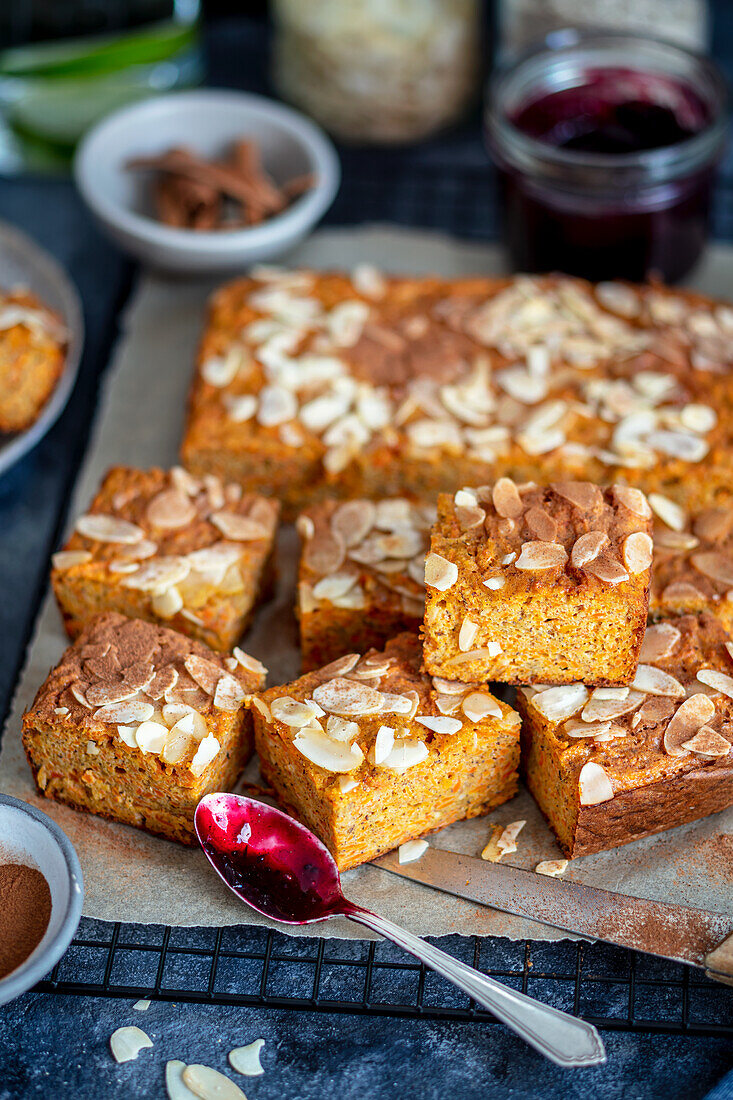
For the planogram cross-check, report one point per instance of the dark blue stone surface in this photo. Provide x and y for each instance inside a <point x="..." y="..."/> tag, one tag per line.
<point x="57" y="1045"/>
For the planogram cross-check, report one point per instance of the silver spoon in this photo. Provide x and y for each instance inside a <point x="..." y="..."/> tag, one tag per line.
<point x="280" y="869"/>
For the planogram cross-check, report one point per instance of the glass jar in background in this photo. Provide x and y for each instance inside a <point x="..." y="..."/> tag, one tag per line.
<point x="63" y="65"/>
<point x="380" y="71"/>
<point x="524" y="22"/>
<point x="607" y="147"/>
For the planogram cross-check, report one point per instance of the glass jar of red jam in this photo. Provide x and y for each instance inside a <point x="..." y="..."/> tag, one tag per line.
<point x="607" y="146"/>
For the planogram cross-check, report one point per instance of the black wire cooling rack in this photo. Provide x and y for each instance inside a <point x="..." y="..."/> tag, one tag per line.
<point x="610" y="987"/>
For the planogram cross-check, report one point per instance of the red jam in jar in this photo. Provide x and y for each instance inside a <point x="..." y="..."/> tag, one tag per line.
<point x="607" y="147"/>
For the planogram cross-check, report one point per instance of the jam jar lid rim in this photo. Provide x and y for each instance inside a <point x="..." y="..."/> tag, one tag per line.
<point x="529" y="154"/>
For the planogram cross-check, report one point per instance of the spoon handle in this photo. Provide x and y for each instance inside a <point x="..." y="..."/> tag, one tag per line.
<point x="563" y="1039"/>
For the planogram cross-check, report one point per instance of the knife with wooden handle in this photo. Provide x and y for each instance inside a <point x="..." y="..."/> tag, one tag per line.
<point x="675" y="932"/>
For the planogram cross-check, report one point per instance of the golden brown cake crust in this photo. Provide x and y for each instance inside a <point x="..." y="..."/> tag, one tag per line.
<point x="634" y="746"/>
<point x="320" y="384"/>
<point x="370" y="752"/>
<point x="361" y="575"/>
<point x="167" y="547"/>
<point x="32" y="355"/>
<point x="137" y="722"/>
<point x="538" y="583"/>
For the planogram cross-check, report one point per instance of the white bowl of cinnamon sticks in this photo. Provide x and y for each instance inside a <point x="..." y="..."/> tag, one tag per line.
<point x="207" y="181"/>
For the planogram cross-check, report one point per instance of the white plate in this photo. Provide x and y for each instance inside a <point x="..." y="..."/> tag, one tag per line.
<point x="24" y="263"/>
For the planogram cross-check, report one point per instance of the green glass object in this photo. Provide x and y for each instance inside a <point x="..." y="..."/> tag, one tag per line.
<point x="52" y="89"/>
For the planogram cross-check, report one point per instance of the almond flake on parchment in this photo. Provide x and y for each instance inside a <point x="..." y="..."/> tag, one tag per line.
<point x="552" y="867"/>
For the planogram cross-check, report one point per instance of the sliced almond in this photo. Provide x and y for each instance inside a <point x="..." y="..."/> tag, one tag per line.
<point x="440" y="573"/>
<point x="411" y="851"/>
<point x="206" y="673"/>
<point x="353" y="520"/>
<point x="229" y="694"/>
<point x="681" y="592"/>
<point x="637" y="552"/>
<point x="239" y="528"/>
<point x="587" y="547"/>
<point x="485" y="653"/>
<point x="158" y="574"/>
<point x="467" y="634"/>
<point x="167" y="604"/>
<point x="574" y="728"/>
<point x="719" y="681"/>
<point x="246" y="1060"/>
<point x="506" y="498"/>
<point x="341" y="729"/>
<point x="325" y="753"/>
<point x="170" y="509"/>
<point x="540" y="524"/>
<point x="248" y="663"/>
<point x="324" y="552"/>
<point x="715" y="565"/>
<point x="653" y="681"/>
<point x="177" y="746"/>
<point x="208" y="748"/>
<point x="127" y="1042"/>
<point x="476" y="706"/>
<point x="708" y="742"/>
<point x="407" y="753"/>
<point x="291" y="712"/>
<point x="669" y="512"/>
<point x="383" y="745"/>
<point x="125" y="714"/>
<point x="537" y="556"/>
<point x="552" y="867"/>
<point x="660" y="642"/>
<point x="690" y="716"/>
<point x="557" y="704"/>
<point x="601" y="710"/>
<point x="209" y="1084"/>
<point x="151" y="736"/>
<point x="594" y="785"/>
<point x="583" y="494"/>
<point x="714" y="524"/>
<point x="440" y="723"/>
<point x="104" y="528"/>
<point x="69" y="559"/>
<point x="607" y="569"/>
<point x="633" y="499"/>
<point x="347" y="698"/>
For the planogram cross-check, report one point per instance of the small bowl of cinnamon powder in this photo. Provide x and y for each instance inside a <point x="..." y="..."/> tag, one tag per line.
<point x="41" y="892"/>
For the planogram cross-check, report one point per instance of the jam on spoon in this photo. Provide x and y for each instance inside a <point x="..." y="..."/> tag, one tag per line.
<point x="280" y="869"/>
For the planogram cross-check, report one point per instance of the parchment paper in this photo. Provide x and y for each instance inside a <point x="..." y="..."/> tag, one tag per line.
<point x="131" y="876"/>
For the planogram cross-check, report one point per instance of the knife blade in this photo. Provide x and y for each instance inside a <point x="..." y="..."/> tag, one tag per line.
<point x="676" y="932"/>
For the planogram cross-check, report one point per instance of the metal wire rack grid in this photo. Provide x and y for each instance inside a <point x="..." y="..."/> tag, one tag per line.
<point x="610" y="987"/>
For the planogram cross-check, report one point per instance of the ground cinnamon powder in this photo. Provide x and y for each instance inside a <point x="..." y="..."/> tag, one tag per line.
<point x="25" y="910"/>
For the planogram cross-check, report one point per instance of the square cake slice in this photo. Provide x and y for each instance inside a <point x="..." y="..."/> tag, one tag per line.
<point x="137" y="723"/>
<point x="161" y="545"/>
<point x="360" y="580"/>
<point x="369" y="752"/>
<point x="692" y="568"/>
<point x="529" y="583"/>
<point x="612" y="765"/>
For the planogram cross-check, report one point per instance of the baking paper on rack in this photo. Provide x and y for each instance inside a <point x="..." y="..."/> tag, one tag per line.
<point x="130" y="876"/>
